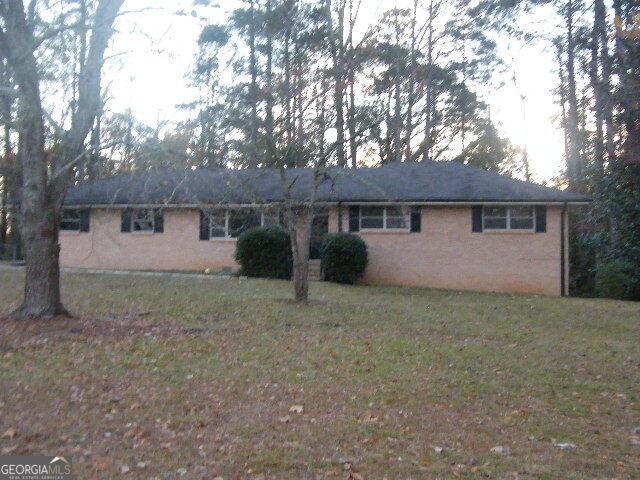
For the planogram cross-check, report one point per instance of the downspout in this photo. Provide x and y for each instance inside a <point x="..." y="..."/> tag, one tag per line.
<point x="563" y="273"/>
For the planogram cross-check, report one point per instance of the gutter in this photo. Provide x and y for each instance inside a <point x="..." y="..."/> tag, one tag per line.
<point x="326" y="204"/>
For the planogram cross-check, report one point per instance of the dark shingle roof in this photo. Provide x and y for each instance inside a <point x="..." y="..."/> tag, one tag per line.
<point x="409" y="182"/>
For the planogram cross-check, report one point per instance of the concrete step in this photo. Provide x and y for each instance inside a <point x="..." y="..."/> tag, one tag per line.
<point x="315" y="271"/>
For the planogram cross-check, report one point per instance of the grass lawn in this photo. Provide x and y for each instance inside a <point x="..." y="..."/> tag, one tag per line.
<point x="197" y="378"/>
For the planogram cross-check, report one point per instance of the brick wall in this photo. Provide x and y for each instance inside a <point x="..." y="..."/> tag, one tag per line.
<point x="445" y="254"/>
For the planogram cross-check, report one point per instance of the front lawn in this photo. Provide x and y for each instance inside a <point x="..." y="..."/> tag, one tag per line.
<point x="197" y="378"/>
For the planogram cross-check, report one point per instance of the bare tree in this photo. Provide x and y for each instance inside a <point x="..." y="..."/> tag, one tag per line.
<point x="574" y="160"/>
<point x="46" y="174"/>
<point x="338" y="48"/>
<point x="7" y="100"/>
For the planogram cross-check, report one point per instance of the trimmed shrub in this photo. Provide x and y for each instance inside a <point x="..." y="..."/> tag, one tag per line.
<point x="264" y="252"/>
<point x="344" y="257"/>
<point x="617" y="278"/>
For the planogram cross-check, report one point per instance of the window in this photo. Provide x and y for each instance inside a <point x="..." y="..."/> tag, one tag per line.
<point x="521" y="218"/>
<point x="495" y="218"/>
<point x="508" y="218"/>
<point x="142" y="220"/>
<point x="218" y="224"/>
<point x="383" y="218"/>
<point x="240" y="221"/>
<point x="75" y="220"/>
<point x="231" y="223"/>
<point x="395" y="218"/>
<point x="70" y="220"/>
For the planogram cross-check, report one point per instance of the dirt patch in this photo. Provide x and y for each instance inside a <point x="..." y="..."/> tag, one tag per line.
<point x="308" y="303"/>
<point x="16" y="333"/>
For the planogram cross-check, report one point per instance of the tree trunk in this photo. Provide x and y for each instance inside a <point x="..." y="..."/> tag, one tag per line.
<point x="606" y="66"/>
<point x="5" y="167"/>
<point x="300" y="231"/>
<point x="44" y="180"/>
<point x="408" y="155"/>
<point x="287" y="85"/>
<point x="42" y="279"/>
<point x="3" y="211"/>
<point x="294" y="87"/>
<point x="351" y="115"/>
<point x="562" y="91"/>
<point x="397" y="110"/>
<point x="93" y="166"/>
<point x="428" y="108"/>
<point x="574" y="162"/>
<point x="351" y="106"/>
<point x="594" y="79"/>
<point x="321" y="109"/>
<point x="253" y="88"/>
<point x="336" y="45"/>
<point x="269" y="120"/>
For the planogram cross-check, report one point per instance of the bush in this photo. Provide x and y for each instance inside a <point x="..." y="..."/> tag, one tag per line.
<point x="344" y="257"/>
<point x="617" y="278"/>
<point x="264" y="252"/>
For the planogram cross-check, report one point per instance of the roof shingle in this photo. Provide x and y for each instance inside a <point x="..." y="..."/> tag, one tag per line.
<point x="406" y="182"/>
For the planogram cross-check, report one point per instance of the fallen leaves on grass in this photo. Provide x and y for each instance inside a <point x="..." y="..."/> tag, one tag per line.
<point x="369" y="417"/>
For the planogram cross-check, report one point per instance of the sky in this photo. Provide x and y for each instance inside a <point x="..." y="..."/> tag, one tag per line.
<point x="155" y="49"/>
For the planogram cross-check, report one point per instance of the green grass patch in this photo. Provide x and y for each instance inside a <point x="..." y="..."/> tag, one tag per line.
<point x="208" y="375"/>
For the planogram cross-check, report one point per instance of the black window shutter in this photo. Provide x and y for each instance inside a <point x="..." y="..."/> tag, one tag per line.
<point x="158" y="220"/>
<point x="416" y="219"/>
<point x="541" y="218"/>
<point x="354" y="219"/>
<point x="85" y="219"/>
<point x="476" y="218"/>
<point x="125" y="220"/>
<point x="204" y="226"/>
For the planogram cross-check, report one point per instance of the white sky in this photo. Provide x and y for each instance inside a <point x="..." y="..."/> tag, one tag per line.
<point x="155" y="50"/>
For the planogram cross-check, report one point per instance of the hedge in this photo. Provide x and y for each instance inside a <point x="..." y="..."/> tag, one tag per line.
<point x="344" y="257"/>
<point x="264" y="252"/>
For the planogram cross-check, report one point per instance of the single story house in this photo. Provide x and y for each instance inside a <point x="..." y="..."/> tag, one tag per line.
<point x="433" y="224"/>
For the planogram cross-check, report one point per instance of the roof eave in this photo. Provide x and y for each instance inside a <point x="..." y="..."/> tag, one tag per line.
<point x="333" y="202"/>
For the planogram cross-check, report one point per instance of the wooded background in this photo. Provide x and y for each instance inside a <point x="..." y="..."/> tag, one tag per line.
<point x="296" y="81"/>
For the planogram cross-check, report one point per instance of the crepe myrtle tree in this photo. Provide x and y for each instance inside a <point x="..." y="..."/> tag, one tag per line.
<point x="299" y="195"/>
<point x="31" y="39"/>
<point x="299" y="188"/>
<point x="298" y="204"/>
<point x="297" y="208"/>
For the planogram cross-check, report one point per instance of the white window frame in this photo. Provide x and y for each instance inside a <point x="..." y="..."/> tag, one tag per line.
<point x="78" y="219"/>
<point x="405" y="214"/>
<point x="226" y="225"/>
<point x="135" y="218"/>
<point x="227" y="212"/>
<point x="508" y="218"/>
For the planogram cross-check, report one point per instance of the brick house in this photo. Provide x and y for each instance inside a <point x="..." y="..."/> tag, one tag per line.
<point x="436" y="224"/>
